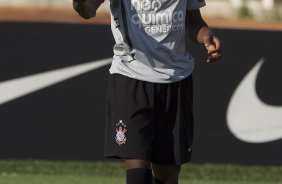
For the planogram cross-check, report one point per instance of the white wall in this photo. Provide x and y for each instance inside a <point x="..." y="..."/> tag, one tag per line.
<point x="36" y="3"/>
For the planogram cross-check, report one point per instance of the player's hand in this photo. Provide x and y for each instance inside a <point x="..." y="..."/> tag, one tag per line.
<point x="86" y="8"/>
<point x="213" y="46"/>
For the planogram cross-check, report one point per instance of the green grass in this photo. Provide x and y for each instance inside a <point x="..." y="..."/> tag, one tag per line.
<point x="58" y="172"/>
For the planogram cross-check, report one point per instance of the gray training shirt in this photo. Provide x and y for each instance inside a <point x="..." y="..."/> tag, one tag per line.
<point x="150" y="39"/>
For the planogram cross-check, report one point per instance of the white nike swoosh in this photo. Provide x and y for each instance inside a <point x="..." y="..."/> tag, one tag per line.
<point x="16" y="88"/>
<point x="250" y="119"/>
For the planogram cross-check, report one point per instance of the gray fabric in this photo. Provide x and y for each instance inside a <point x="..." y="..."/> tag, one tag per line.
<point x="156" y="51"/>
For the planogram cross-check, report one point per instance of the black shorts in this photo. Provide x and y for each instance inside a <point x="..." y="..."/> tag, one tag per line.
<point x="149" y="121"/>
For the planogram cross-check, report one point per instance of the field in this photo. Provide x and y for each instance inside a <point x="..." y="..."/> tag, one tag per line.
<point x="74" y="172"/>
<point x="78" y="172"/>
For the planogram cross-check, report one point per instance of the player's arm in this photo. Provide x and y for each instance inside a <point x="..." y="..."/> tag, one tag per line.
<point x="200" y="32"/>
<point x="86" y="8"/>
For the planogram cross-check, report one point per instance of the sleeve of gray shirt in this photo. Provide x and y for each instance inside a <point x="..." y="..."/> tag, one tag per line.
<point x="195" y="4"/>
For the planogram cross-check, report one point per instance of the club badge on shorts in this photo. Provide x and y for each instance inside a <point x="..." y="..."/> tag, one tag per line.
<point x="120" y="133"/>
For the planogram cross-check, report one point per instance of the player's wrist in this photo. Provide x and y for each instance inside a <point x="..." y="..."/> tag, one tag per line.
<point x="205" y="33"/>
<point x="207" y="37"/>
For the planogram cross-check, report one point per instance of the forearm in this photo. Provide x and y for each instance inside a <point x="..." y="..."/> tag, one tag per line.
<point x="204" y="33"/>
<point x="196" y="27"/>
<point x="196" y="31"/>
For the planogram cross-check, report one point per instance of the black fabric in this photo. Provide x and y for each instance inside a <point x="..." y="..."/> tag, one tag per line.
<point x="156" y="181"/>
<point x="139" y="176"/>
<point x="87" y="8"/>
<point x="149" y="121"/>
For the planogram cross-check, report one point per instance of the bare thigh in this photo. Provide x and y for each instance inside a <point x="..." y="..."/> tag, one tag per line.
<point x="135" y="163"/>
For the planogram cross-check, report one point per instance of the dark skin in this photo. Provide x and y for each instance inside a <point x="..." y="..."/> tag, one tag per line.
<point x="198" y="31"/>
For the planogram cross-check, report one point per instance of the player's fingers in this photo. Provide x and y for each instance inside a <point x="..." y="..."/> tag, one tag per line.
<point x="217" y="46"/>
<point x="217" y="42"/>
<point x="214" y="57"/>
<point x="208" y="39"/>
<point x="211" y="60"/>
<point x="214" y="51"/>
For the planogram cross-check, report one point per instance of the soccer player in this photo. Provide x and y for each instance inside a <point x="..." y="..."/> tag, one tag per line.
<point x="149" y="103"/>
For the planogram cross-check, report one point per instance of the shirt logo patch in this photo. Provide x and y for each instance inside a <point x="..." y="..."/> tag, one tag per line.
<point x="120" y="133"/>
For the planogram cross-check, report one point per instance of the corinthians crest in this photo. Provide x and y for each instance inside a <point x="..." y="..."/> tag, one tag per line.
<point x="120" y="133"/>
